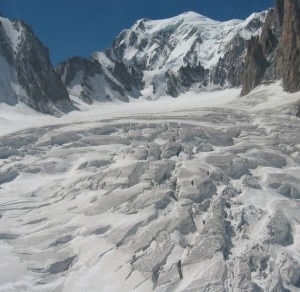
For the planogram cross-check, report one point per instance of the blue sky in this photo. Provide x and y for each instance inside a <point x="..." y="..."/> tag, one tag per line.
<point x="79" y="27"/>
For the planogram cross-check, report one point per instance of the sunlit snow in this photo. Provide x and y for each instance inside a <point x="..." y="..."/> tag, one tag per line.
<point x="171" y="195"/>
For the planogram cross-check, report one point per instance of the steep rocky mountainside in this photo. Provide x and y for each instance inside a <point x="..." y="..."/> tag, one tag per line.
<point x="26" y="73"/>
<point x="276" y="53"/>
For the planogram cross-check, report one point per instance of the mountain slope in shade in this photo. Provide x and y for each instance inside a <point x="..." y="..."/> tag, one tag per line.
<point x="275" y="54"/>
<point x="26" y="73"/>
<point x="89" y="80"/>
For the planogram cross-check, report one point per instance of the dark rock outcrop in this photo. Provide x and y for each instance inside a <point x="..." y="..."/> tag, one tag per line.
<point x="288" y="56"/>
<point x="5" y="46"/>
<point x="68" y="69"/>
<point x="270" y="33"/>
<point x="228" y="71"/>
<point x="28" y="59"/>
<point x="172" y="84"/>
<point x="277" y="51"/>
<point x="96" y="82"/>
<point x="130" y="77"/>
<point x="185" y="78"/>
<point x="189" y="75"/>
<point x="255" y="65"/>
<point x="37" y="76"/>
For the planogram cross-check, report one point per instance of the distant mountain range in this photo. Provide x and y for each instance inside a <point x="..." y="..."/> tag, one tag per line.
<point x="155" y="58"/>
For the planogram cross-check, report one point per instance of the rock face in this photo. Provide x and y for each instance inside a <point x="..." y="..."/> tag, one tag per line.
<point x="89" y="80"/>
<point x="275" y="55"/>
<point x="255" y="64"/>
<point x="288" y="57"/>
<point x="26" y="73"/>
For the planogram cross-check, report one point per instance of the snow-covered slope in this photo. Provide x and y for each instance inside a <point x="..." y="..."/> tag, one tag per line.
<point x="187" y="38"/>
<point x="200" y="193"/>
<point x="187" y="51"/>
<point x="26" y="73"/>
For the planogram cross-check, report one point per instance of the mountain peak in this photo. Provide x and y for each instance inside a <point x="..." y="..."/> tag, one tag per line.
<point x="192" y="15"/>
<point x="186" y="38"/>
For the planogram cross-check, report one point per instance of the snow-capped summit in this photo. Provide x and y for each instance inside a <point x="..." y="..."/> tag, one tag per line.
<point x="188" y="50"/>
<point x="187" y="38"/>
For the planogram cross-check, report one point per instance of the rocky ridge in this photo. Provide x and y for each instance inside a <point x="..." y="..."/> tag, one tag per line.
<point x="89" y="80"/>
<point x="27" y="74"/>
<point x="275" y="54"/>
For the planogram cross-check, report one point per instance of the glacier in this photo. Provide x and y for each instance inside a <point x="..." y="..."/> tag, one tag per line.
<point x="198" y="193"/>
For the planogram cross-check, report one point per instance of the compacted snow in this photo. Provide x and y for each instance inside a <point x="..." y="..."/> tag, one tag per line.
<point x="199" y="193"/>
